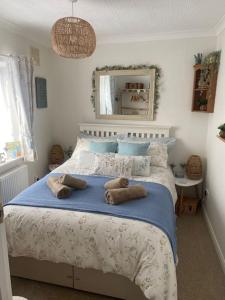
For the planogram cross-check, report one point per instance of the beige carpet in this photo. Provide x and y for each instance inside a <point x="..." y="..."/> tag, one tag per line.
<point x="200" y="276"/>
<point x="199" y="273"/>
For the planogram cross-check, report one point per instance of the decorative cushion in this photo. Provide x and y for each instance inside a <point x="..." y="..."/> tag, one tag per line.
<point x="141" y="165"/>
<point x="108" y="165"/>
<point x="102" y="147"/>
<point x="159" y="155"/>
<point x="83" y="144"/>
<point x="126" y="148"/>
<point x="169" y="141"/>
<point x="85" y="163"/>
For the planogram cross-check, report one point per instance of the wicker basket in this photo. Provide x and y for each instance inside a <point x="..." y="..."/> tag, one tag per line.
<point x="194" y="167"/>
<point x="56" y="155"/>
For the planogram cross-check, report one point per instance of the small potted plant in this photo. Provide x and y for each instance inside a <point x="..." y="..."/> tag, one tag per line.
<point x="202" y="103"/>
<point x="222" y="131"/>
<point x="198" y="59"/>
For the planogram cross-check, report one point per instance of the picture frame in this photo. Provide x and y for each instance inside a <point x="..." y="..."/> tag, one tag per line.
<point x="41" y="92"/>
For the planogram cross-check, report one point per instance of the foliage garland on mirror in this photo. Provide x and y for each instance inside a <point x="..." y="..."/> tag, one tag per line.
<point x="131" y="67"/>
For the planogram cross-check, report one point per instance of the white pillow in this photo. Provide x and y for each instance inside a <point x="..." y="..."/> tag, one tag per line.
<point x="108" y="164"/>
<point x="159" y="154"/>
<point x="82" y="145"/>
<point x="84" y="163"/>
<point x="141" y="164"/>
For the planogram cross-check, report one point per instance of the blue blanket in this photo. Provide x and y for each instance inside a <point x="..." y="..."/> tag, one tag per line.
<point x="157" y="208"/>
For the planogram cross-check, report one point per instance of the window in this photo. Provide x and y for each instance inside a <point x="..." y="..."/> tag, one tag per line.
<point x="10" y="146"/>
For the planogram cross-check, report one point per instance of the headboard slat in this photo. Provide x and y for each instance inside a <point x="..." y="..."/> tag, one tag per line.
<point x="107" y="130"/>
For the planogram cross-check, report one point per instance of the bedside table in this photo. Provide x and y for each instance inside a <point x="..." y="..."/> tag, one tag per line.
<point x="188" y="205"/>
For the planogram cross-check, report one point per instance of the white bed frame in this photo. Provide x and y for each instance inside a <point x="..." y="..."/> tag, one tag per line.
<point x="88" y="279"/>
<point x="107" y="130"/>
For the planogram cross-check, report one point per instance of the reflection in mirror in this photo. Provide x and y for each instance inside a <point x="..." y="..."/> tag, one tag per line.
<point x="124" y="95"/>
<point x="129" y="94"/>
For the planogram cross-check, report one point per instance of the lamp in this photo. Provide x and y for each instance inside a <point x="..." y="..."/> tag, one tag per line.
<point x="73" y="37"/>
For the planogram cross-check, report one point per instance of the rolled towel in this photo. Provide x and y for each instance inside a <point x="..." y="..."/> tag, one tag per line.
<point x="73" y="182"/>
<point x="58" y="189"/>
<point x="117" y="196"/>
<point x="116" y="183"/>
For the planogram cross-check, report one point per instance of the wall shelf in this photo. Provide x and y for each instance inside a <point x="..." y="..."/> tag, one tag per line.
<point x="204" y="96"/>
<point x="135" y="91"/>
<point x="134" y="108"/>
<point x="202" y="89"/>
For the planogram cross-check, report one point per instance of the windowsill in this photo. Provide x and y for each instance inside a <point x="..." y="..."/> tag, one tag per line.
<point x="8" y="165"/>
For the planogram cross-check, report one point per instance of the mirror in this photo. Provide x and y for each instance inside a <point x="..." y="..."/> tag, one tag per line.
<point x="125" y="94"/>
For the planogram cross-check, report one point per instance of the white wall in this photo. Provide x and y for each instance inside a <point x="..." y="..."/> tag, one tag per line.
<point x="11" y="43"/>
<point x="175" y="57"/>
<point x="69" y="90"/>
<point x="215" y="202"/>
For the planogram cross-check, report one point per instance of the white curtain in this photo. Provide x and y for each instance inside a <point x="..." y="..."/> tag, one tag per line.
<point x="113" y="93"/>
<point x="8" y="112"/>
<point x="106" y="107"/>
<point x="18" y="85"/>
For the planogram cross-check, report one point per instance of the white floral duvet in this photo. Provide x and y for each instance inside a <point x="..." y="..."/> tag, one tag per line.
<point x="134" y="249"/>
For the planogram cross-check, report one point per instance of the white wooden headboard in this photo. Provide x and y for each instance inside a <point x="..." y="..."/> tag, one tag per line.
<point x="106" y="130"/>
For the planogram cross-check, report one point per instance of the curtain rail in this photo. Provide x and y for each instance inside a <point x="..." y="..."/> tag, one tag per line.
<point x="11" y="55"/>
<point x="6" y="55"/>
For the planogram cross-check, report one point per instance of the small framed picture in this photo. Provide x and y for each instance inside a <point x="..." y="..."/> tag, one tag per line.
<point x="41" y="92"/>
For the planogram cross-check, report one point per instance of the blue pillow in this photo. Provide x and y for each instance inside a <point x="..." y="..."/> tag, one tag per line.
<point x="169" y="141"/>
<point x="126" y="148"/>
<point x="102" y="147"/>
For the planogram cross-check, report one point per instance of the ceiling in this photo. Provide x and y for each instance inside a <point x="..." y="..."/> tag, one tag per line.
<point x="117" y="20"/>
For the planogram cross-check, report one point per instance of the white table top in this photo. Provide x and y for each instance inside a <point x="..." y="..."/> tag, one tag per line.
<point x="187" y="182"/>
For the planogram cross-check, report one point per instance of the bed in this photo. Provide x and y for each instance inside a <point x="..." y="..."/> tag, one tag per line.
<point x="78" y="249"/>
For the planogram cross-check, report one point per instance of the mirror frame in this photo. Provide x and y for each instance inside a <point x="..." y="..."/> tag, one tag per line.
<point x="117" y="69"/>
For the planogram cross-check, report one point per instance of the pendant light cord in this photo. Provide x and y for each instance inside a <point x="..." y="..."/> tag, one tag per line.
<point x="73" y="1"/>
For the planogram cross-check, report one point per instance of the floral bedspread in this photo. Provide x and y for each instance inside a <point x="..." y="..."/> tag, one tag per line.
<point x="134" y="249"/>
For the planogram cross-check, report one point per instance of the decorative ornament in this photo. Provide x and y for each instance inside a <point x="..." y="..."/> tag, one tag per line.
<point x="222" y="131"/>
<point x="198" y="58"/>
<point x="56" y="155"/>
<point x="73" y="37"/>
<point x="194" y="167"/>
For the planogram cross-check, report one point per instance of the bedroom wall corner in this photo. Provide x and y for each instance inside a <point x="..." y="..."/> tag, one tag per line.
<point x="14" y="43"/>
<point x="214" y="203"/>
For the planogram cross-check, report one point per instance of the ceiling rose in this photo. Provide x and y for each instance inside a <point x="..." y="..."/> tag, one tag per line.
<point x="73" y="37"/>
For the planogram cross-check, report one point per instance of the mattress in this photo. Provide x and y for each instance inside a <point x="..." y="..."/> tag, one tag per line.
<point x="131" y="248"/>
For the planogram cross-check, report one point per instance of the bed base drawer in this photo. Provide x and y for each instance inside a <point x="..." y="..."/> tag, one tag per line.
<point x="106" y="284"/>
<point x="45" y="271"/>
<point x="88" y="280"/>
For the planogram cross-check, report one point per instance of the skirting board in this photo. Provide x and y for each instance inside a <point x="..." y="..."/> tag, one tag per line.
<point x="214" y="239"/>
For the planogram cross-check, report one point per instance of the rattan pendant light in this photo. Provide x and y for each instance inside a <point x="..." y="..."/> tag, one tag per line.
<point x="73" y="37"/>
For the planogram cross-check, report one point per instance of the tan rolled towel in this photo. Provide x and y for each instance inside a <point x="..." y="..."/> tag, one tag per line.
<point x="59" y="190"/>
<point x="73" y="182"/>
<point x="117" y="196"/>
<point x="116" y="183"/>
